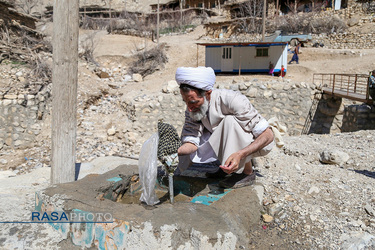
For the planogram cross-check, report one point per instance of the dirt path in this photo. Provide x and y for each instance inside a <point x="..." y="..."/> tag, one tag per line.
<point x="182" y="51"/>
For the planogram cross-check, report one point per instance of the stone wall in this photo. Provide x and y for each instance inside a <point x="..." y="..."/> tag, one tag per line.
<point x="356" y="37"/>
<point x="298" y="106"/>
<point x="289" y="102"/>
<point x="20" y="118"/>
<point x="358" y="117"/>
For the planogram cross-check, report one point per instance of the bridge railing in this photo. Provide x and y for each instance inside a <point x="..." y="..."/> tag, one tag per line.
<point x="351" y="86"/>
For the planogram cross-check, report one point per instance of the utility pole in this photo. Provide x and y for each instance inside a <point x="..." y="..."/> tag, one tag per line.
<point x="181" y="18"/>
<point x="64" y="90"/>
<point x="277" y="8"/>
<point x="264" y="19"/>
<point x="157" y="24"/>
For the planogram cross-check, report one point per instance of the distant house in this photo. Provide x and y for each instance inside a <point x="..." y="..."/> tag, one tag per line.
<point x="208" y="4"/>
<point x="245" y="57"/>
<point x="165" y="5"/>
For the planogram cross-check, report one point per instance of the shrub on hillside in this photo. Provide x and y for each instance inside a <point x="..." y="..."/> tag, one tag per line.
<point x="149" y="61"/>
<point x="307" y="23"/>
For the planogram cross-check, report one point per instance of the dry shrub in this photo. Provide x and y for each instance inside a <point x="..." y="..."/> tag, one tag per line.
<point x="307" y="23"/>
<point x="87" y="48"/>
<point x="90" y="23"/>
<point x="332" y="24"/>
<point x="41" y="70"/>
<point x="149" y="61"/>
<point x="21" y="46"/>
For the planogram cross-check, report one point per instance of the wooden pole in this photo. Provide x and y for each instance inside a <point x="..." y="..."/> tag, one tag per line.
<point x="110" y="17"/>
<point x="64" y="90"/>
<point x="157" y="25"/>
<point x="277" y="7"/>
<point x="239" y="68"/>
<point x="264" y="19"/>
<point x="181" y="20"/>
<point x="197" y="54"/>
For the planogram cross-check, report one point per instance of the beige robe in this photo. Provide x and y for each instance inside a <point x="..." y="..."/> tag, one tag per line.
<point x="232" y="123"/>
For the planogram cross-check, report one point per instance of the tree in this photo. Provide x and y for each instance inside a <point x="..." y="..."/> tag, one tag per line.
<point x="247" y="14"/>
<point x="292" y="5"/>
<point x="109" y="3"/>
<point x="27" y="5"/>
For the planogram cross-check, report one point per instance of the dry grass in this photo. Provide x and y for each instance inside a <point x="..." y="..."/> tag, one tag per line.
<point x="307" y="23"/>
<point x="149" y="61"/>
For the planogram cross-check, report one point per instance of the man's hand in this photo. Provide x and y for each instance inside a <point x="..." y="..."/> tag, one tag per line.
<point x="187" y="148"/>
<point x="232" y="163"/>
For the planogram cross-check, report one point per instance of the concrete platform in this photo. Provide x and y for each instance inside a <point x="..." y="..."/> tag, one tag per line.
<point x="220" y="223"/>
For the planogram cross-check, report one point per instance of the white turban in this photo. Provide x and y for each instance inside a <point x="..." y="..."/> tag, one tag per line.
<point x="201" y="77"/>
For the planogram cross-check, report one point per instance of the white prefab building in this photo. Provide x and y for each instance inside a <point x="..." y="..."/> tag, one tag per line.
<point x="246" y="57"/>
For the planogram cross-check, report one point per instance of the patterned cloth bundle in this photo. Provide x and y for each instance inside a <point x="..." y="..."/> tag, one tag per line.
<point x="169" y="142"/>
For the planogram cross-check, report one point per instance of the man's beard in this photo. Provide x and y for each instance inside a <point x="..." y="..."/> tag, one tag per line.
<point x="201" y="113"/>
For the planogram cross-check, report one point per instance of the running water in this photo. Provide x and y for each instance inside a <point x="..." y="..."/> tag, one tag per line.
<point x="147" y="165"/>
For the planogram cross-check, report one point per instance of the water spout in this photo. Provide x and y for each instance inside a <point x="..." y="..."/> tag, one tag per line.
<point x="170" y="182"/>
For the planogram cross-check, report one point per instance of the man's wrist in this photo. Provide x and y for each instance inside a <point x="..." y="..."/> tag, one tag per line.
<point x="242" y="154"/>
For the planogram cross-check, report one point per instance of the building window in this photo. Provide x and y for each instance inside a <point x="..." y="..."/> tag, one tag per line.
<point x="262" y="52"/>
<point x="227" y="53"/>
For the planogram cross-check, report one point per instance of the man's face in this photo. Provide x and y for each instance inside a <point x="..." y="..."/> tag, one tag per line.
<point x="193" y="100"/>
<point x="197" y="105"/>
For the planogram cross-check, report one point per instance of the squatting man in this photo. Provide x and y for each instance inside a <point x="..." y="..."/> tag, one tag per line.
<point x="220" y="125"/>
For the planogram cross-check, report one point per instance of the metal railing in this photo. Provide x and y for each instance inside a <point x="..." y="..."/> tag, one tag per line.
<point x="350" y="86"/>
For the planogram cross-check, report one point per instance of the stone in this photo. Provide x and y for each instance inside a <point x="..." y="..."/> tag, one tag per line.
<point x="298" y="168"/>
<point x="369" y="210"/>
<point x="251" y="92"/>
<point x="274" y="208"/>
<point x="313" y="190"/>
<point x="242" y="86"/>
<point x="11" y="97"/>
<point x="21" y="79"/>
<point x="8" y="141"/>
<point x="267" y="218"/>
<point x="127" y="78"/>
<point x="353" y="21"/>
<point x="111" y="131"/>
<point x="18" y="143"/>
<point x="234" y="87"/>
<point x="357" y="240"/>
<point x="103" y="74"/>
<point x="267" y="94"/>
<point x="170" y="87"/>
<point x="333" y="157"/>
<point x="137" y="77"/>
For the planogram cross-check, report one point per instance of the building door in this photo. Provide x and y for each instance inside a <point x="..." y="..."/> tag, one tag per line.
<point x="337" y="4"/>
<point x="227" y="59"/>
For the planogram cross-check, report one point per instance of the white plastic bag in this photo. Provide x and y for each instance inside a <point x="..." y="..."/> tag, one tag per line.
<point x="147" y="165"/>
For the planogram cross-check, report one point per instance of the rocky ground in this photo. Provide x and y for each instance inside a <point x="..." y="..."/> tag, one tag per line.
<point x="319" y="188"/>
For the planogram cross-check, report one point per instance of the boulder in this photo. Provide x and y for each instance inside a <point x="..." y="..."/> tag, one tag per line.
<point x="333" y="157"/>
<point x="137" y="77"/>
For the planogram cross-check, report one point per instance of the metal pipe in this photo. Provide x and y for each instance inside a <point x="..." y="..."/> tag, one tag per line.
<point x="170" y="181"/>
